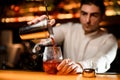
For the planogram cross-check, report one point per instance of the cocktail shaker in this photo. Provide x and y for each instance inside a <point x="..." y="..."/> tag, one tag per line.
<point x="36" y="31"/>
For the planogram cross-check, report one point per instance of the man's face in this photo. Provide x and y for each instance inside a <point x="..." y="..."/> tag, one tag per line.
<point x="90" y="17"/>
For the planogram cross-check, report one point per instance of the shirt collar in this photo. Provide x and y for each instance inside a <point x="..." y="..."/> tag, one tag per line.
<point x="94" y="34"/>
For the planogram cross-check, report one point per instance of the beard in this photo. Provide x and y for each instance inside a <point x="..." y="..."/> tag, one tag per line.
<point x="90" y="28"/>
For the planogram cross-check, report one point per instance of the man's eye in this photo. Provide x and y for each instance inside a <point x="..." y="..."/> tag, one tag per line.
<point x="82" y="13"/>
<point x="95" y="15"/>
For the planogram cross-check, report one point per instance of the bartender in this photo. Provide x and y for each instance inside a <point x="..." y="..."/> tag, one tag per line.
<point x="85" y="44"/>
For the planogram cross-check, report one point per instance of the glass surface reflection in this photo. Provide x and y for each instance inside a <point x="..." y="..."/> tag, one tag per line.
<point x="52" y="57"/>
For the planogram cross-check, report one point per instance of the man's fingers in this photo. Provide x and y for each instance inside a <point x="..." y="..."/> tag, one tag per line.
<point x="70" y="67"/>
<point x="63" y="63"/>
<point x="37" y="19"/>
<point x="52" y="22"/>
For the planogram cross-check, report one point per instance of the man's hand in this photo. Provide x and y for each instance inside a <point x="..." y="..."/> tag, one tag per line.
<point x="68" y="67"/>
<point x="38" y="19"/>
<point x="41" y="42"/>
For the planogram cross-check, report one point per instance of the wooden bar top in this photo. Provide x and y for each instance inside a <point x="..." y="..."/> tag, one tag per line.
<point x="30" y="75"/>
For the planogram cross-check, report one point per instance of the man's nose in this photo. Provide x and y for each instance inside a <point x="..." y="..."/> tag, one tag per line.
<point x="88" y="19"/>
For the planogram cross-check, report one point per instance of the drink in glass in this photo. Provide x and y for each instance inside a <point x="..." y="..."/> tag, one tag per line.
<point x="52" y="57"/>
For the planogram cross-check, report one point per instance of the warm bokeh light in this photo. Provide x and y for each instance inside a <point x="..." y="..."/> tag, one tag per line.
<point x="111" y="3"/>
<point x="106" y="3"/>
<point x="118" y="2"/>
<point x="28" y="18"/>
<point x="64" y="16"/>
<point x="22" y="11"/>
<point x="17" y="8"/>
<point x="31" y="9"/>
<point x="12" y="6"/>
<point x="77" y="14"/>
<point x="42" y="8"/>
<point x="21" y="19"/>
<point x="110" y="12"/>
<point x="71" y="6"/>
<point x="118" y="12"/>
<point x="72" y="10"/>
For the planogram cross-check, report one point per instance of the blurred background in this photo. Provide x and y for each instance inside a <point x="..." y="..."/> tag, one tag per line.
<point x="16" y="53"/>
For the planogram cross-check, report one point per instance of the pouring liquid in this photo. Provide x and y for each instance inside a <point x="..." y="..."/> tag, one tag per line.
<point x="50" y="66"/>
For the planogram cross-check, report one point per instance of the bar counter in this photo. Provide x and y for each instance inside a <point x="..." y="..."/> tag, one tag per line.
<point x="30" y="75"/>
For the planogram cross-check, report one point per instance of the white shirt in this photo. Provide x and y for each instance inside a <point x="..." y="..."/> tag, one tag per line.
<point x="96" y="50"/>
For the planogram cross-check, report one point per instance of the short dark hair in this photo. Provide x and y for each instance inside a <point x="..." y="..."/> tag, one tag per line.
<point x="99" y="3"/>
